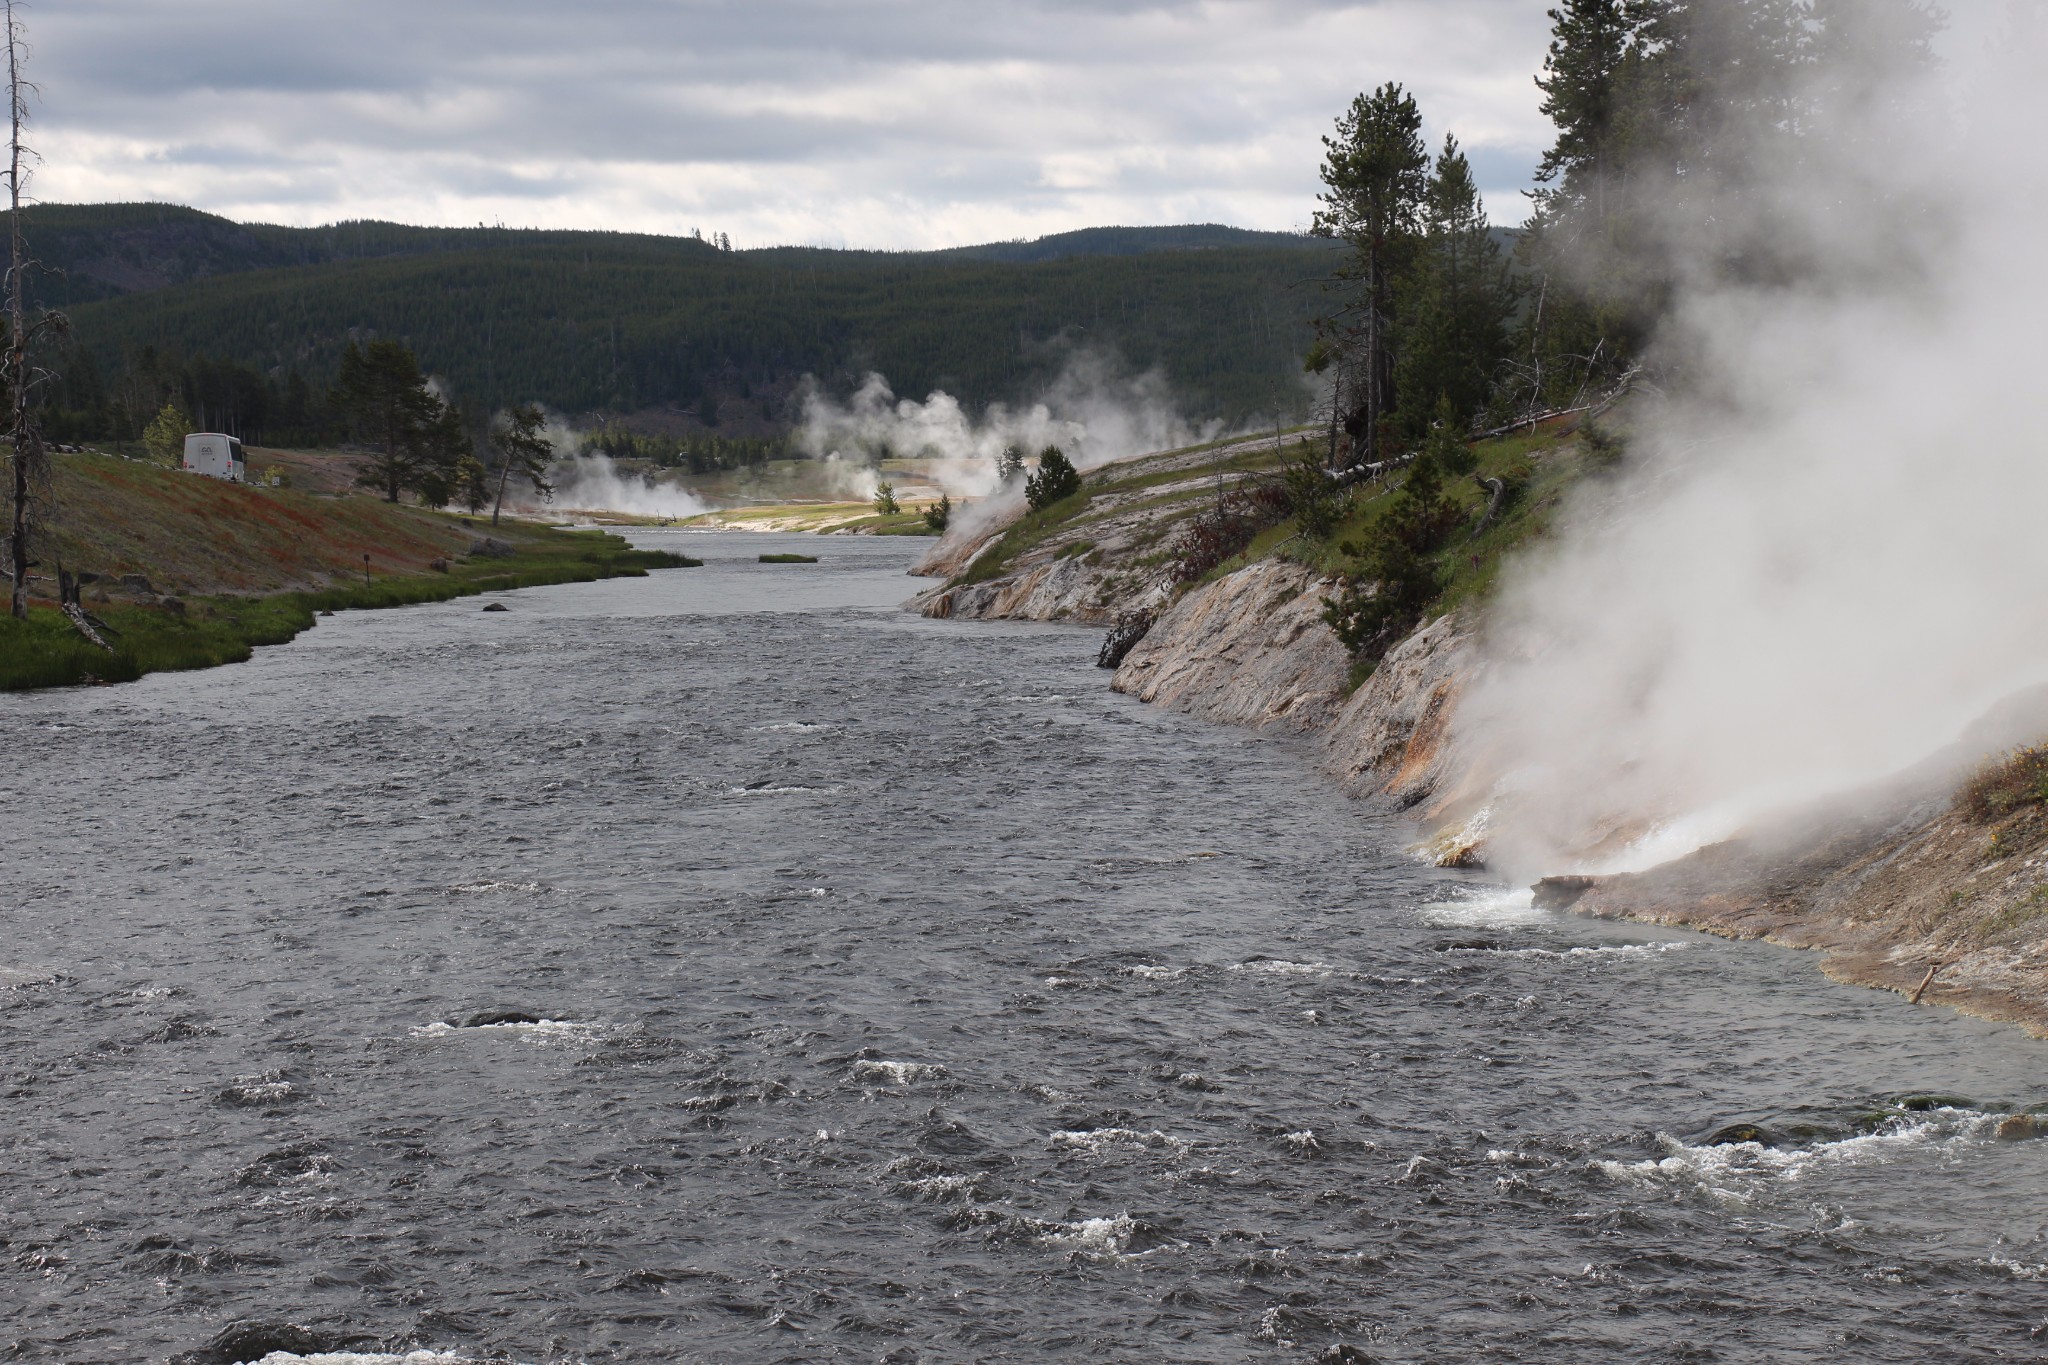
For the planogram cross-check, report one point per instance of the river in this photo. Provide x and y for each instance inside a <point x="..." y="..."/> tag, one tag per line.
<point x="905" y="995"/>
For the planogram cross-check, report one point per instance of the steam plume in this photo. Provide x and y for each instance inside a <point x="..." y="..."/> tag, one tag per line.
<point x="590" y="482"/>
<point x="1830" y="558"/>
<point x="1092" y="412"/>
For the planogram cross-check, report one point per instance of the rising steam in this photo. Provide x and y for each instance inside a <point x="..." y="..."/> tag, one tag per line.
<point x="588" y="481"/>
<point x="1092" y="412"/>
<point x="592" y="483"/>
<point x="1831" y="558"/>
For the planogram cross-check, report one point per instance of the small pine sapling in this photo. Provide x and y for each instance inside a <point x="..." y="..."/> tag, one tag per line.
<point x="1055" y="481"/>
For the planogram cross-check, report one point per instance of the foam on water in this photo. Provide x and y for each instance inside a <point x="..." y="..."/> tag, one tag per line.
<point x="1596" y="950"/>
<point x="1092" y="1236"/>
<point x="1272" y="966"/>
<point x="1099" y="1140"/>
<point x="1738" y="1173"/>
<point x="539" y="1031"/>
<point x="367" y="1358"/>
<point x="1487" y="908"/>
<point x="896" y="1073"/>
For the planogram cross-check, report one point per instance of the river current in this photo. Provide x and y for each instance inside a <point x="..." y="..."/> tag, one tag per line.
<point x="728" y="966"/>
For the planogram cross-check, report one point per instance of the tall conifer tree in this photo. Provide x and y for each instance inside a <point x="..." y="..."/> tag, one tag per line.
<point x="1455" y="301"/>
<point x="1374" y="173"/>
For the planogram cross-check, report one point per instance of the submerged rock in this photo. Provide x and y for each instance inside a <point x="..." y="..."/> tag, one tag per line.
<point x="496" y="606"/>
<point x="240" y="1343"/>
<point x="1562" y="893"/>
<point x="488" y="1018"/>
<point x="2022" y="1128"/>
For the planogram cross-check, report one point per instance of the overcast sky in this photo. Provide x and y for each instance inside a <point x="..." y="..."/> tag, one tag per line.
<point x="886" y="123"/>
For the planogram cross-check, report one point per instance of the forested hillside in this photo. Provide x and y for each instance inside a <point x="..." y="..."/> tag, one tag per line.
<point x="170" y="303"/>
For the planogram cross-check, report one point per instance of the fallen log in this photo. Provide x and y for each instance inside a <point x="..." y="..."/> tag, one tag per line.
<point x="83" y="624"/>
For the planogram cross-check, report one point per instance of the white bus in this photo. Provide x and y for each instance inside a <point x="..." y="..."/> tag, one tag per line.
<point x="208" y="452"/>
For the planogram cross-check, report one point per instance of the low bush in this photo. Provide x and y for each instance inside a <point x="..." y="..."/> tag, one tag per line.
<point x="2006" y="784"/>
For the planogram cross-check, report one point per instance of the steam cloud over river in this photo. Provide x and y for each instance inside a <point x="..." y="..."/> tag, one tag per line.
<point x="1828" y="560"/>
<point x="724" y="965"/>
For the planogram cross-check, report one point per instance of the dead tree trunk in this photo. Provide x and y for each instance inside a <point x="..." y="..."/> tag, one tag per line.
<point x="1498" y="491"/>
<point x="26" y="450"/>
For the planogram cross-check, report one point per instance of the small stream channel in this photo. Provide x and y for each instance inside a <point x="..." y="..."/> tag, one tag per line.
<point x="903" y="995"/>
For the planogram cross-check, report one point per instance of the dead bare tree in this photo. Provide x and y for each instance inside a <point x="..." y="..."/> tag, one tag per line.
<point x="29" y="458"/>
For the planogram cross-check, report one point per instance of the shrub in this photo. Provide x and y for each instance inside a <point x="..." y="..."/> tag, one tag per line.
<point x="1447" y="445"/>
<point x="1394" y="577"/>
<point x="939" y="515"/>
<point x="1317" y="503"/>
<point x="885" y="500"/>
<point x="1223" y="532"/>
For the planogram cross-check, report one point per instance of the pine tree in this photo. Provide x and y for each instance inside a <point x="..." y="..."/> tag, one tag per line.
<point x="1455" y="302"/>
<point x="1598" y="82"/>
<point x="1374" y="174"/>
<point x="1394" y="575"/>
<point x="389" y="405"/>
<point x="1055" y="480"/>
<point x="521" y="450"/>
<point x="1581" y="85"/>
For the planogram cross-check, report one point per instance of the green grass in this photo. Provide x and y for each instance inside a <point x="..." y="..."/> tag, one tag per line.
<point x="1540" y="466"/>
<point x="789" y="559"/>
<point x="45" y="651"/>
<point x="1033" y="529"/>
<point x="887" y="524"/>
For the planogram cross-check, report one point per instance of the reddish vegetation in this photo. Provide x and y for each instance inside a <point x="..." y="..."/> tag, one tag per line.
<point x="195" y="535"/>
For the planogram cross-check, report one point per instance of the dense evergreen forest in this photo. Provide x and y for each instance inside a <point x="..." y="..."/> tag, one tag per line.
<point x="246" y="325"/>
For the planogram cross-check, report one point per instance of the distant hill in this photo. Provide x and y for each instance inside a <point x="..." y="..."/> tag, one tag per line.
<point x="622" y="321"/>
<point x="97" y="251"/>
<point x="1132" y="241"/>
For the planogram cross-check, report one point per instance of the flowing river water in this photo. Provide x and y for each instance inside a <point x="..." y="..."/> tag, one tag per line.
<point x="905" y="995"/>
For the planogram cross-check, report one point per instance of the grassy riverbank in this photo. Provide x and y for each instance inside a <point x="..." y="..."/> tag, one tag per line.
<point x="188" y="572"/>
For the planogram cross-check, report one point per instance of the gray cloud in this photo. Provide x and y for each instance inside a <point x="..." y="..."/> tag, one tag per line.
<point x="902" y="123"/>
